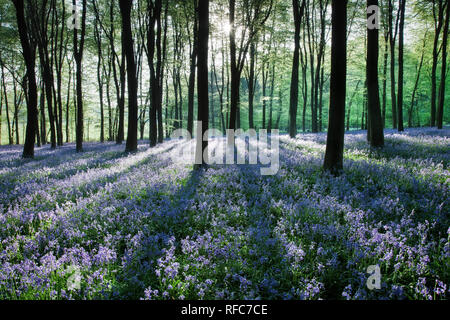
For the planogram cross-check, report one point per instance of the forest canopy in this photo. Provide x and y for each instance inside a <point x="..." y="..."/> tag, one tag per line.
<point x="165" y="59"/>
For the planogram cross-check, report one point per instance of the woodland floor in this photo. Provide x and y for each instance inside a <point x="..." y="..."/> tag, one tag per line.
<point x="141" y="226"/>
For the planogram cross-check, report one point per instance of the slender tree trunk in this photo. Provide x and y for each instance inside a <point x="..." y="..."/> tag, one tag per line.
<point x="8" y="121"/>
<point x="68" y="103"/>
<point x="264" y="86"/>
<point x="193" y="65"/>
<point x="416" y="85"/>
<point x="311" y="46"/>
<point x="97" y="36"/>
<point x="211" y="100"/>
<point x="17" y="101"/>
<point x="108" y="99"/>
<point x="29" y="55"/>
<point x="318" y="87"/>
<point x="440" y="111"/>
<point x="334" y="153"/>
<point x="202" y="81"/>
<point x="127" y="41"/>
<point x="154" y="11"/>
<point x="47" y="76"/>
<point x="251" y="85"/>
<point x="392" y="36"/>
<point x="235" y="75"/>
<point x="280" y="108"/>
<point x="220" y="88"/>
<point x="304" y="62"/>
<point x="438" y="21"/>
<point x="293" y="106"/>
<point x="400" y="65"/>
<point x="121" y="103"/>
<point x="272" y="88"/>
<point x="161" y="52"/>
<point x="78" y="53"/>
<point x="385" y="63"/>
<point x="376" y="138"/>
<point x="60" y="49"/>
<point x="350" y="103"/>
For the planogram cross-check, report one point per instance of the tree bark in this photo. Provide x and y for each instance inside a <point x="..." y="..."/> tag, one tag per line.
<point x="385" y="63"/>
<point x="97" y="36"/>
<point x="438" y="23"/>
<point x="440" y="113"/>
<point x="416" y="85"/>
<point x="127" y="42"/>
<point x="376" y="137"/>
<point x="193" y="65"/>
<point x="334" y="153"/>
<point x="78" y="54"/>
<point x="29" y="55"/>
<point x="202" y="81"/>
<point x="400" y="65"/>
<point x="251" y="85"/>
<point x="293" y="105"/>
<point x="392" y="36"/>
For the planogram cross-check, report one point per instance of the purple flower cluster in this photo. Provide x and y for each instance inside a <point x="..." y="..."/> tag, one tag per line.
<point x="143" y="227"/>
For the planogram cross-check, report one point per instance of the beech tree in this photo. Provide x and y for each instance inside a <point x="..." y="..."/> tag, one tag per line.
<point x="125" y="11"/>
<point x="334" y="153"/>
<point x="402" y="10"/>
<point x="438" y="10"/>
<point x="202" y="81"/>
<point x="375" y="125"/>
<point x="78" y="48"/>
<point x="440" y="111"/>
<point x="299" y="10"/>
<point x="29" y="55"/>
<point x="255" y="18"/>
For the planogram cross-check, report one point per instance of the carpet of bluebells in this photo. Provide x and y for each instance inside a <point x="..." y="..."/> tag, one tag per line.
<point x="140" y="226"/>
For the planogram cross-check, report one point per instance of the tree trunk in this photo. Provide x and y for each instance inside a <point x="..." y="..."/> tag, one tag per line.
<point x="334" y="153"/>
<point x="8" y="121"/>
<point x="392" y="37"/>
<point x="29" y="55"/>
<point x="121" y="103"/>
<point x="376" y="138"/>
<point x="440" y="113"/>
<point x="155" y="15"/>
<point x="272" y="88"/>
<point x="293" y="106"/>
<point x="251" y="85"/>
<point x="385" y="62"/>
<point x="78" y="53"/>
<point x="67" y="104"/>
<point x="400" y="65"/>
<point x="350" y="103"/>
<point x="193" y="65"/>
<point x="439" y="21"/>
<point x="202" y="81"/>
<point x="304" y="62"/>
<point x="161" y="52"/>
<point x="235" y="74"/>
<point x="416" y="85"/>
<point x="127" y="42"/>
<point x="47" y="77"/>
<point x="97" y="36"/>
